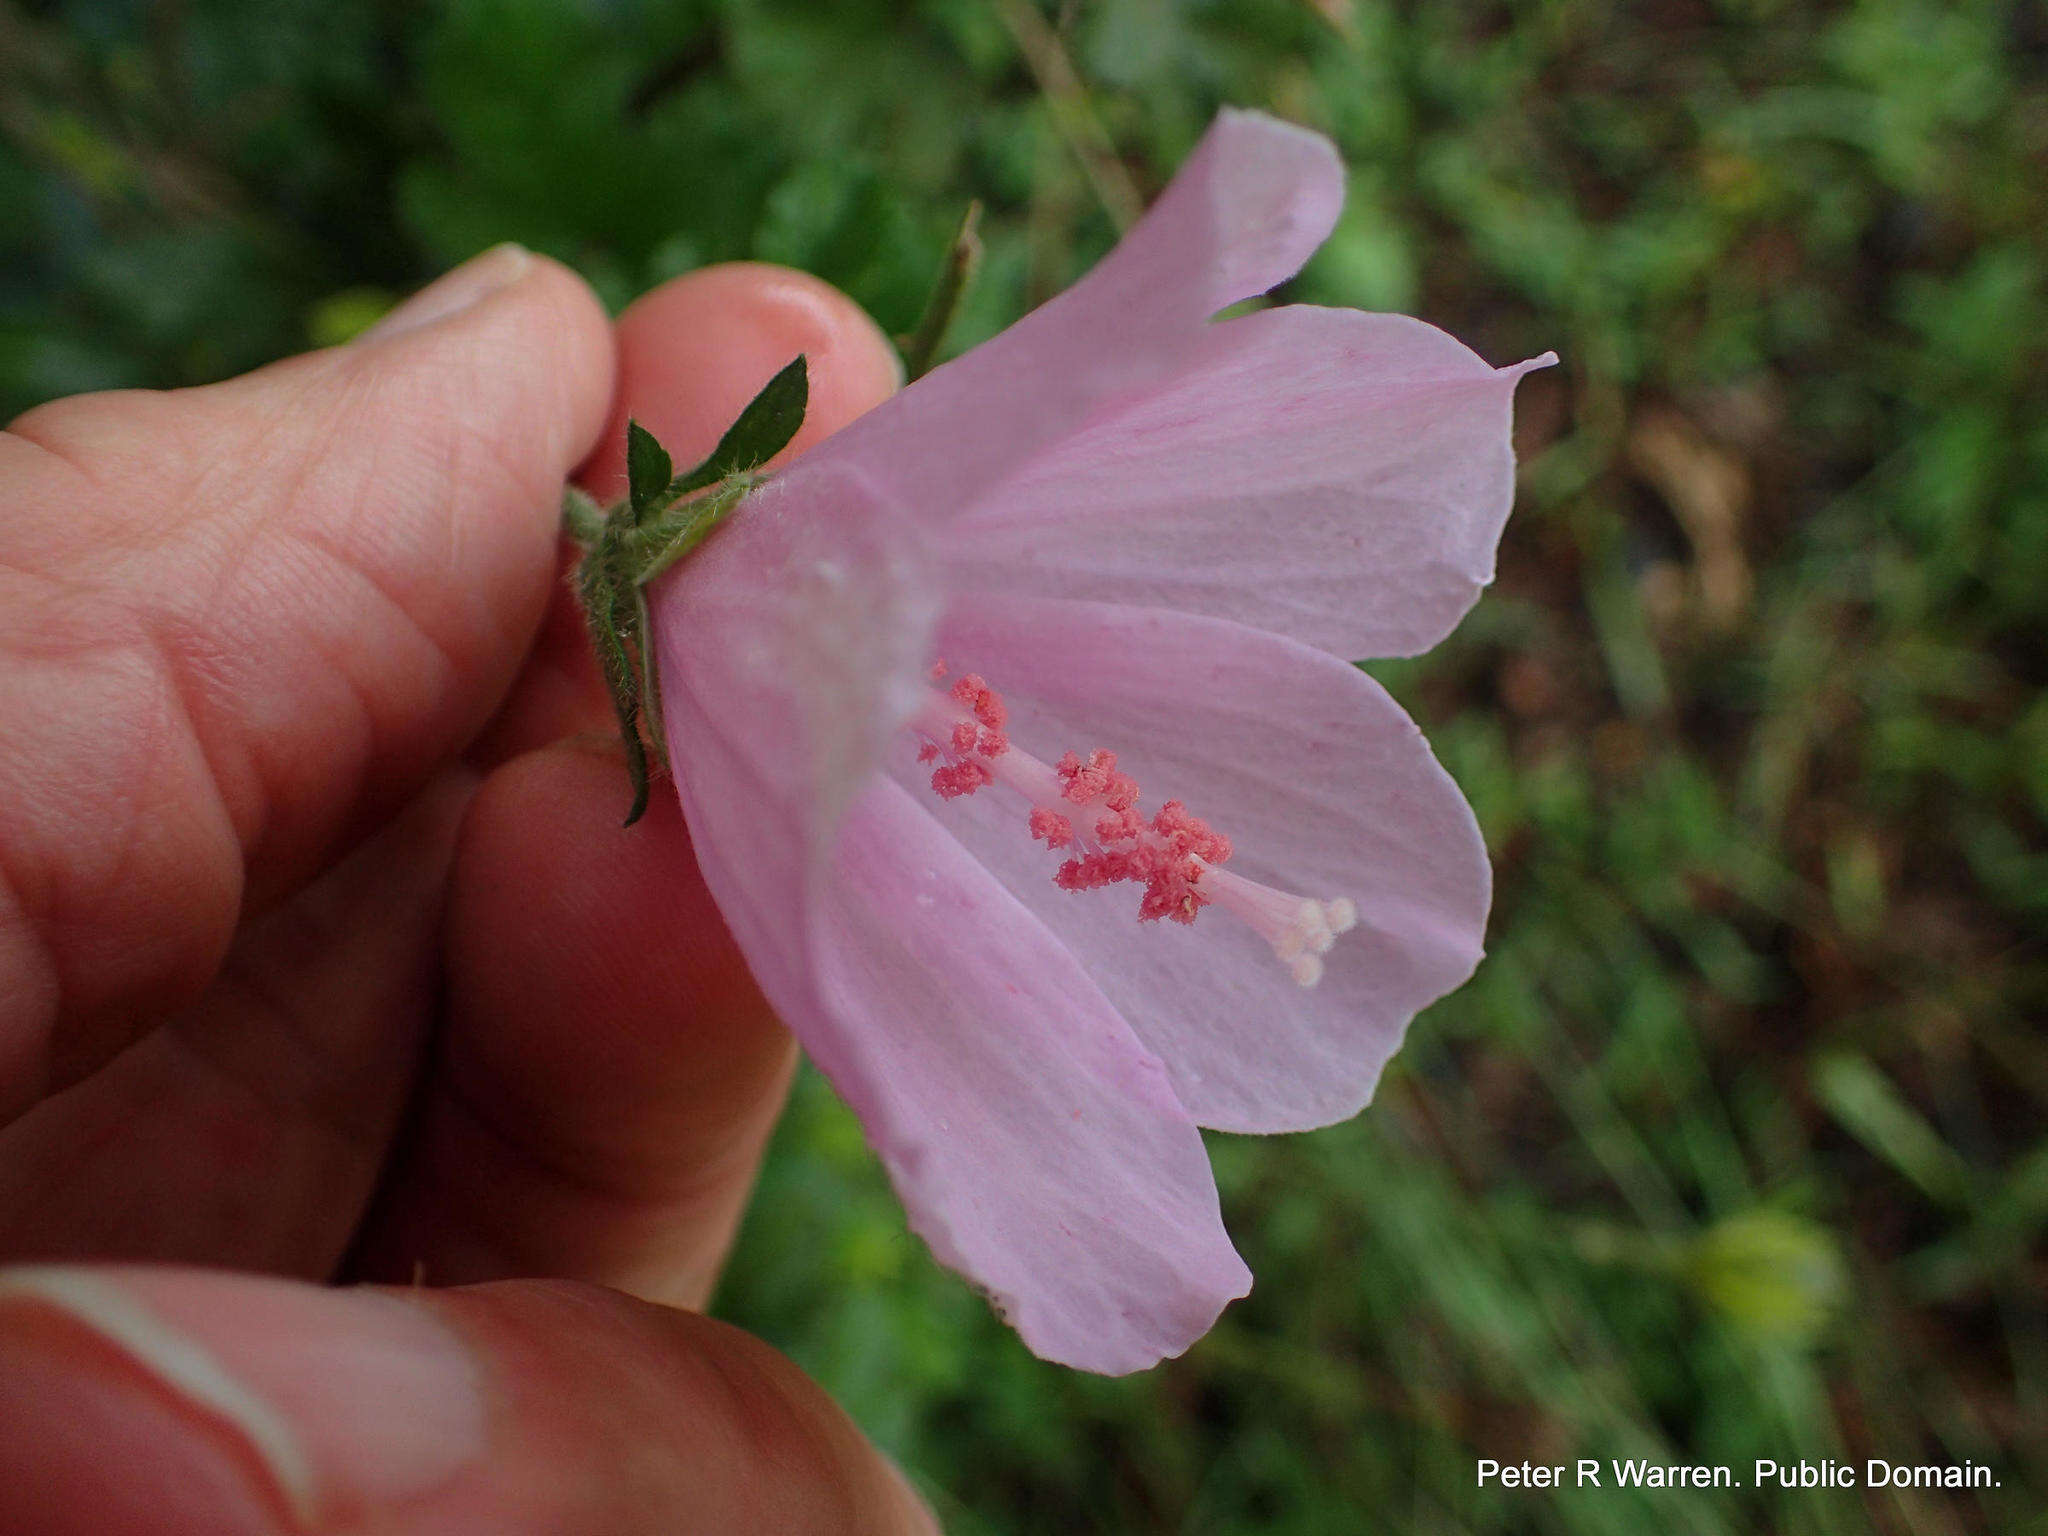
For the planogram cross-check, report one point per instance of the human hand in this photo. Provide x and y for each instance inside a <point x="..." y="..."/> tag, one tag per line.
<point x="323" y="956"/>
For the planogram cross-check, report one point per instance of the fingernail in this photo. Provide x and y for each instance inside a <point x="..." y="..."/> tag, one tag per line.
<point x="452" y="292"/>
<point x="347" y="1399"/>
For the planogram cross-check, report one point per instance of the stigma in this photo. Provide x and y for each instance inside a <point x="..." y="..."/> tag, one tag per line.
<point x="1089" y="810"/>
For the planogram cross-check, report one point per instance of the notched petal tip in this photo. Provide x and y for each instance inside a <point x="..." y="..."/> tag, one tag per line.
<point x="1176" y="1325"/>
<point x="1274" y="191"/>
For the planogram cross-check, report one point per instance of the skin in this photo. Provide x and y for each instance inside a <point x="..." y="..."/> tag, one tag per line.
<point x="323" y="956"/>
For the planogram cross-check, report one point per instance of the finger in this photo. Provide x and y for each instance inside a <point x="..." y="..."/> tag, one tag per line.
<point x="608" y="1073"/>
<point x="177" y="1401"/>
<point x="249" y="1130"/>
<point x="240" y="623"/>
<point x="692" y="353"/>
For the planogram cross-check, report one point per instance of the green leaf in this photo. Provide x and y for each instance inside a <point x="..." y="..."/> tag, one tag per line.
<point x="763" y="430"/>
<point x="1873" y="1110"/>
<point x="648" y="468"/>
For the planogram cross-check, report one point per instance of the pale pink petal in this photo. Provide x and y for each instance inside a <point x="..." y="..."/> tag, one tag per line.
<point x="1334" y="476"/>
<point x="754" y="700"/>
<point x="789" y="645"/>
<point x="755" y="855"/>
<point x="1247" y="208"/>
<point x="1326" y="789"/>
<point x="1035" y="1142"/>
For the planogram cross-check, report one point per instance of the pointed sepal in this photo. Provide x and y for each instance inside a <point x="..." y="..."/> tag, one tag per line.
<point x="762" y="431"/>
<point x="649" y="470"/>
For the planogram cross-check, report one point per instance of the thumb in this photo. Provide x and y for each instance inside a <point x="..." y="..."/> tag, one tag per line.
<point x="241" y="623"/>
<point x="182" y="1401"/>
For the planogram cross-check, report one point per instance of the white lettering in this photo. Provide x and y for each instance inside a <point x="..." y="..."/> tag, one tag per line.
<point x="1890" y="1474"/>
<point x="1648" y="1474"/>
<point x="1527" y="1475"/>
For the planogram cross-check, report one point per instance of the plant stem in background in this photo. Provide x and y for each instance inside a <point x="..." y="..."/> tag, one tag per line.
<point x="921" y="347"/>
<point x="1073" y="114"/>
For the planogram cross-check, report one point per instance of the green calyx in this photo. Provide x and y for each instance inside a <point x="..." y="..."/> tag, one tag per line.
<point x="663" y="517"/>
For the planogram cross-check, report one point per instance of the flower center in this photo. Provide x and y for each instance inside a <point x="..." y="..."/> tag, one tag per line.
<point x="1090" y="808"/>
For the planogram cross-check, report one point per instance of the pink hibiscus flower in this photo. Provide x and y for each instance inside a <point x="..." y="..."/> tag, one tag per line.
<point x="1017" y="731"/>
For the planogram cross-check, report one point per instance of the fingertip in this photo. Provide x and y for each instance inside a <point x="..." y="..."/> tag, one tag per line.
<point x="731" y="1435"/>
<point x="561" y="313"/>
<point x="281" y="1399"/>
<point x="64" y="1428"/>
<point x="196" y="1403"/>
<point x="694" y="351"/>
<point x="509" y="313"/>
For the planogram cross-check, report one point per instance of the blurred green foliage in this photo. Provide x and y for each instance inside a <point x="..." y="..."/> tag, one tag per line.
<point x="1734" y="1147"/>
